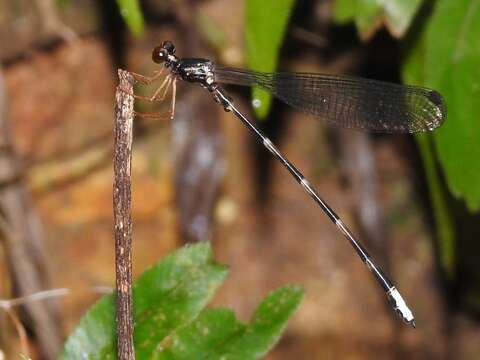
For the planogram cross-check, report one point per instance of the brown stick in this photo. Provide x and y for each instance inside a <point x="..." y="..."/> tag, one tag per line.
<point x="122" y="160"/>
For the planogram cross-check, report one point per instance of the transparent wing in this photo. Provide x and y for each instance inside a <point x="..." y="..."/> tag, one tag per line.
<point x="349" y="102"/>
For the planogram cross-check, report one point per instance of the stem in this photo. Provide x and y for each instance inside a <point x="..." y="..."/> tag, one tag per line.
<point x="122" y="160"/>
<point x="441" y="211"/>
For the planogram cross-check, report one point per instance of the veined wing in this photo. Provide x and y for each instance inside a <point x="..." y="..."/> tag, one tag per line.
<point x="349" y="102"/>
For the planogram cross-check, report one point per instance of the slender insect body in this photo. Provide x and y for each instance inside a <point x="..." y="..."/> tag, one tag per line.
<point x="355" y="103"/>
<point x="270" y="147"/>
<point x="306" y="185"/>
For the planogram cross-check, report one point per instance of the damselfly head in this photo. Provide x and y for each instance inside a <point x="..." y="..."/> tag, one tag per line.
<point x="161" y="53"/>
<point x="168" y="45"/>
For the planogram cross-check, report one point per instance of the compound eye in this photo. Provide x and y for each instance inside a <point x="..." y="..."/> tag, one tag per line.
<point x="159" y="54"/>
<point x="168" y="45"/>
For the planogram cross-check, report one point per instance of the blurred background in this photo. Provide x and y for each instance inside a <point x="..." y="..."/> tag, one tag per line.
<point x="413" y="200"/>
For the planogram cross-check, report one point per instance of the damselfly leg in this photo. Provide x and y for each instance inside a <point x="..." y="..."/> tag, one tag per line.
<point x="174" y="93"/>
<point x="147" y="80"/>
<point x="169" y="82"/>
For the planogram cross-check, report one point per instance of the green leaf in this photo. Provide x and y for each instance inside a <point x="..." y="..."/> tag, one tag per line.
<point x="169" y="321"/>
<point x="369" y="15"/>
<point x="452" y="58"/>
<point x="399" y="15"/>
<point x="202" y="338"/>
<point x="414" y="73"/>
<point x="266" y="325"/>
<point x="344" y="11"/>
<point x="266" y="22"/>
<point x="132" y="14"/>
<point x="95" y="336"/>
<point x="167" y="296"/>
<point x="442" y="213"/>
<point x="217" y="334"/>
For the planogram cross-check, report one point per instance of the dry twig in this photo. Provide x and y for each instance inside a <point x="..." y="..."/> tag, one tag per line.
<point x="122" y="160"/>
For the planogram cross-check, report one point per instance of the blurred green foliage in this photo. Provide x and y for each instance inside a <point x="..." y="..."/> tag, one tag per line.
<point x="133" y="16"/>
<point x="170" y="320"/>
<point x="450" y="48"/>
<point x="266" y="22"/>
<point x="451" y="45"/>
<point x="444" y="55"/>
<point x="368" y="15"/>
<point x="414" y="73"/>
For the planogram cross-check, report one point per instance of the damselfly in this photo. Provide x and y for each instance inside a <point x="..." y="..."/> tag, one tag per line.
<point x="340" y="100"/>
